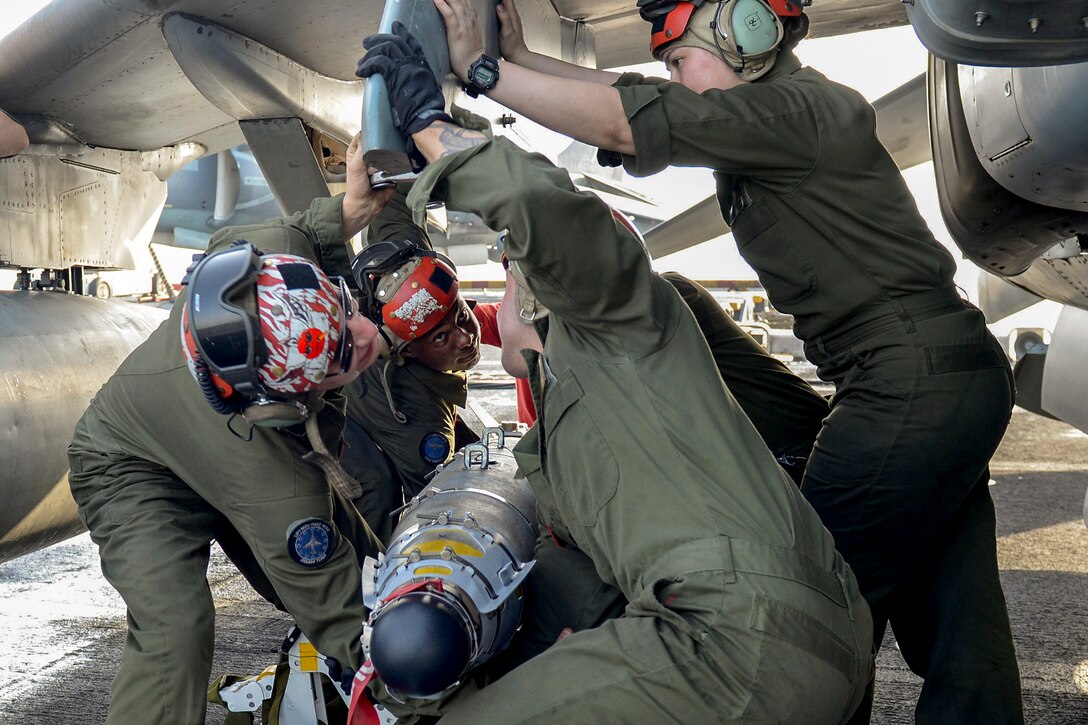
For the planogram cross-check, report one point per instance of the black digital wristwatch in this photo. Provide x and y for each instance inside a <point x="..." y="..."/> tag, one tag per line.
<point x="483" y="75"/>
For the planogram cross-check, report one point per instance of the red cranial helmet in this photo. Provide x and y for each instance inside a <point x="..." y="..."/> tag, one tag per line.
<point x="407" y="290"/>
<point x="746" y="34"/>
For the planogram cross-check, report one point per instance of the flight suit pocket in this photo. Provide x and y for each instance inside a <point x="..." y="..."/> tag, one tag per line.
<point x="871" y="375"/>
<point x="791" y="625"/>
<point x="804" y="668"/>
<point x="766" y="243"/>
<point x="686" y="585"/>
<point x="577" y="462"/>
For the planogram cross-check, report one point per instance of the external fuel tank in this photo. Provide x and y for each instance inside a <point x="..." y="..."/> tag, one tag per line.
<point x="56" y="351"/>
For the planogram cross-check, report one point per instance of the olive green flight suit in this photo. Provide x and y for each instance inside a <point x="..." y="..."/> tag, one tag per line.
<point x="924" y="394"/>
<point x="564" y="589"/>
<point x="740" y="608"/>
<point x="157" y="475"/>
<point x="427" y="399"/>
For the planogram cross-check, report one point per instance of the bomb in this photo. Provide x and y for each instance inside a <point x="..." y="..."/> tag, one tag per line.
<point x="445" y="597"/>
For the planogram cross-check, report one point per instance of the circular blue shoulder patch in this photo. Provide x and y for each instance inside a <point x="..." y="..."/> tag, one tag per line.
<point x="310" y="542"/>
<point x="434" y="448"/>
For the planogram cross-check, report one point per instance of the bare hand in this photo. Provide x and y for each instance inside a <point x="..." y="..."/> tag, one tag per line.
<point x="511" y="34"/>
<point x="361" y="203"/>
<point x="462" y="33"/>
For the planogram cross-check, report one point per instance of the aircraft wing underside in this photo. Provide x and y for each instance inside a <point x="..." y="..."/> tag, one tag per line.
<point x="105" y="71"/>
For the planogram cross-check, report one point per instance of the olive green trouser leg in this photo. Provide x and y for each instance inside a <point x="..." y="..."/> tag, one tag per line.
<point x="942" y="623"/>
<point x="154" y="536"/>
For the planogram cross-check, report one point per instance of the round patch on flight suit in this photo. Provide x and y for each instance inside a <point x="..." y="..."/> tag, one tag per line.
<point x="310" y="542"/>
<point x="434" y="448"/>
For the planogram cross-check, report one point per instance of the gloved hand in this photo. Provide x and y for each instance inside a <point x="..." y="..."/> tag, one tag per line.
<point x="413" y="91"/>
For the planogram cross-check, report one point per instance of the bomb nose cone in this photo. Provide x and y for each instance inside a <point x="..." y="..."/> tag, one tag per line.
<point x="419" y="646"/>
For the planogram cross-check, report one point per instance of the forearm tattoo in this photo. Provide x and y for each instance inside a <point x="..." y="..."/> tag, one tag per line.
<point x="454" y="139"/>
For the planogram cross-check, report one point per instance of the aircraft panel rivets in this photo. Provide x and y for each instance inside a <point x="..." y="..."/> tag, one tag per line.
<point x="980" y="18"/>
<point x="1034" y="24"/>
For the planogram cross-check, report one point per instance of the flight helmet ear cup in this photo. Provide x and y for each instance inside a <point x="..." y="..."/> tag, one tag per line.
<point x="754" y="27"/>
<point x="746" y="34"/>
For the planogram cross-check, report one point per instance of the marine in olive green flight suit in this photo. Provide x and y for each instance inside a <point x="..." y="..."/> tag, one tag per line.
<point x="157" y="476"/>
<point x="924" y="393"/>
<point x="408" y="448"/>
<point x="740" y="607"/>
<point x="564" y="589"/>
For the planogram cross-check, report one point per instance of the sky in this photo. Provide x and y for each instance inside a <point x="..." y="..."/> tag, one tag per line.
<point x="15" y="14"/>
<point x="874" y="63"/>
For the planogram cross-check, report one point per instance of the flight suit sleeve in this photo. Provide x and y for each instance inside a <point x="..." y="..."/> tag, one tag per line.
<point x="581" y="264"/>
<point x="395" y="222"/>
<point x="316" y="234"/>
<point x="757" y="129"/>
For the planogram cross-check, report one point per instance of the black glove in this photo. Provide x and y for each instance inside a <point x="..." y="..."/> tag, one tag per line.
<point x="609" y="158"/>
<point x="413" y="91"/>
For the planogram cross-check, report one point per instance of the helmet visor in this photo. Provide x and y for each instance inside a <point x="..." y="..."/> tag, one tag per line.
<point x="228" y="336"/>
<point x="347" y="342"/>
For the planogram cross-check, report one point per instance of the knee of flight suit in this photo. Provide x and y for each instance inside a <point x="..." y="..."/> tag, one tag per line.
<point x="313" y="565"/>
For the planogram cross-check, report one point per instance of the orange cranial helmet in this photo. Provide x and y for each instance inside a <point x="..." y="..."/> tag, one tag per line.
<point x="746" y="34"/>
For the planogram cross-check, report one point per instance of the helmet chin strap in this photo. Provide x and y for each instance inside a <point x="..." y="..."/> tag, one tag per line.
<point x="397" y="414"/>
<point x="320" y="457"/>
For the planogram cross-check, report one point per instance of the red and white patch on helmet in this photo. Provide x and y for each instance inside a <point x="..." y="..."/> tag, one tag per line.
<point x="311" y="343"/>
<point x="301" y="326"/>
<point x="417" y="308"/>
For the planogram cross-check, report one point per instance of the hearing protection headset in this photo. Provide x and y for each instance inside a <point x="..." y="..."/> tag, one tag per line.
<point x="745" y="33"/>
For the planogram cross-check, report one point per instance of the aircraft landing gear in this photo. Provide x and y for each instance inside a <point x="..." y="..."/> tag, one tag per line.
<point x="52" y="280"/>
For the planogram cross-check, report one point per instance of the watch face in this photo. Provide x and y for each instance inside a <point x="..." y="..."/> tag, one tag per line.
<point x="484" y="73"/>
<point x="486" y="76"/>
